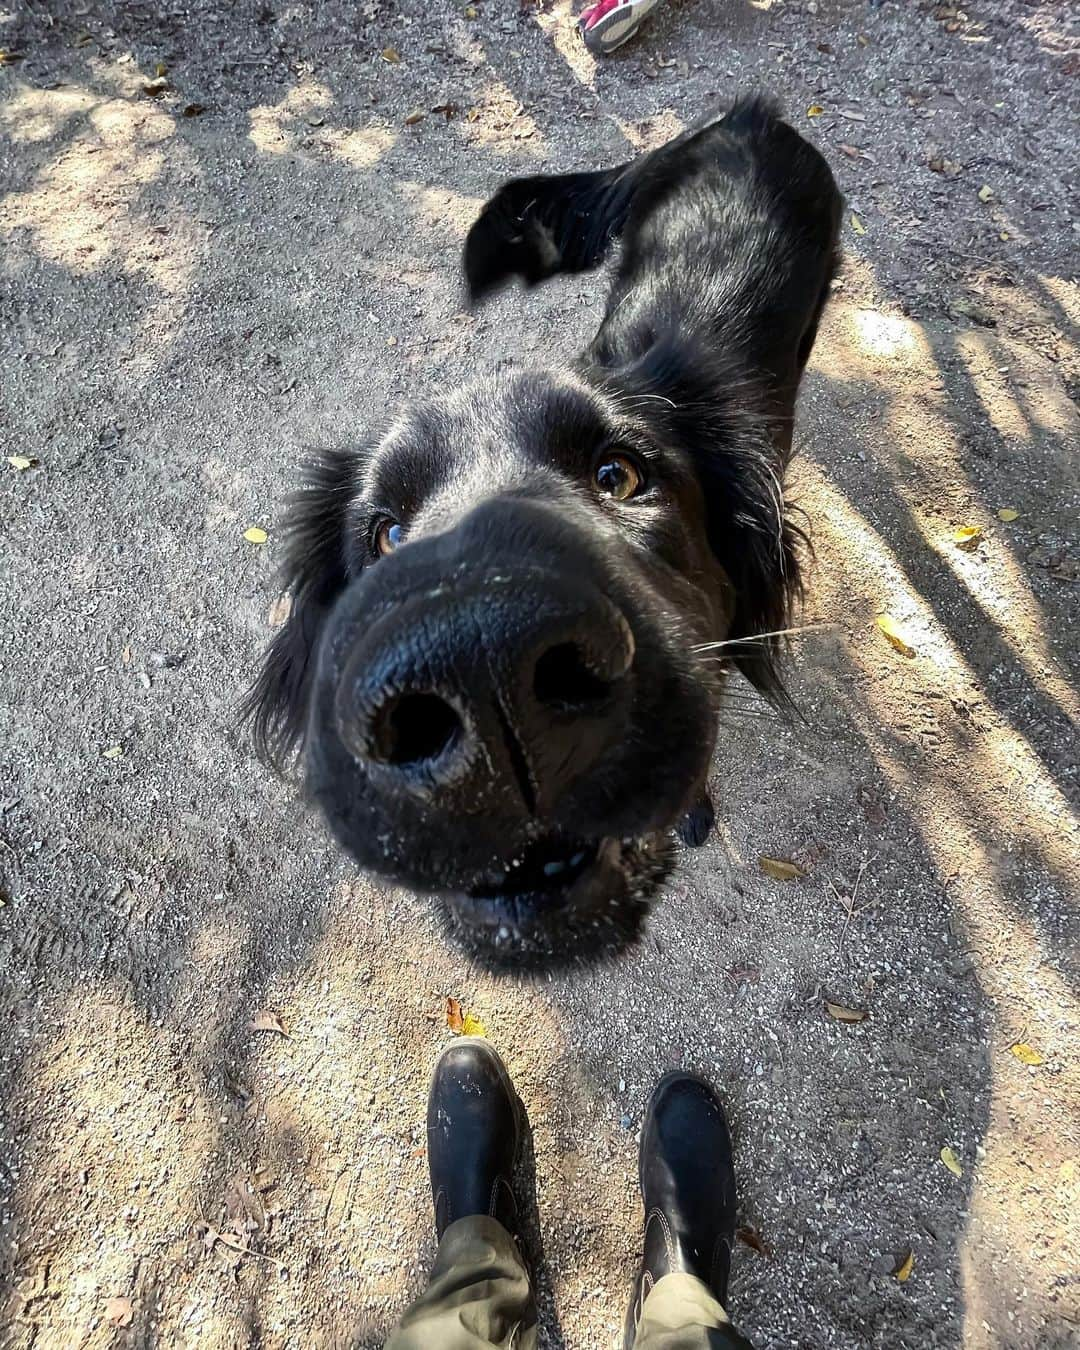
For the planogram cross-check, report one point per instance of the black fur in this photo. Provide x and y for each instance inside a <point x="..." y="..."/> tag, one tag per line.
<point x="728" y="247"/>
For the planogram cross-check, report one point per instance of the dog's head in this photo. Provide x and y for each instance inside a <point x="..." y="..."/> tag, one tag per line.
<point x="491" y="666"/>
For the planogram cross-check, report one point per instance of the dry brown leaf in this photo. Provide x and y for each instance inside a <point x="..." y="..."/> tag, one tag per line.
<point x="852" y="151"/>
<point x="1007" y="513"/>
<point x="780" y="869"/>
<point x="22" y="462"/>
<point x="1026" y="1054"/>
<point x="194" y="109"/>
<point x="967" y="536"/>
<point x="414" y="117"/>
<point x="843" y="1014"/>
<point x="895" y="634"/>
<point x="391" y="54"/>
<point x="244" y="1205"/>
<point x="155" y="88"/>
<point x="119" y="1312"/>
<point x="455" y="1017"/>
<point x="904" y="1265"/>
<point x="266" y="1020"/>
<point x="951" y="1161"/>
<point x="751" y="1238"/>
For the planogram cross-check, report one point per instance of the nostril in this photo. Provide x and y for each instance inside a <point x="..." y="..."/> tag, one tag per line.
<point x="414" y="728"/>
<point x="564" y="679"/>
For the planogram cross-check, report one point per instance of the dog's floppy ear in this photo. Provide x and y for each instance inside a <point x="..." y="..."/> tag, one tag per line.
<point x="701" y="402"/>
<point x="535" y="227"/>
<point x="313" y="574"/>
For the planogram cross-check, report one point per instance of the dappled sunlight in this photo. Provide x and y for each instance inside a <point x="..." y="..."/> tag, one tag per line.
<point x="275" y="128"/>
<point x="980" y="358"/>
<point x="101" y="1208"/>
<point x="962" y="795"/>
<point x="39" y="114"/>
<point x="450" y="211"/>
<point x="83" y="210"/>
<point x="558" y="23"/>
<point x="866" y="344"/>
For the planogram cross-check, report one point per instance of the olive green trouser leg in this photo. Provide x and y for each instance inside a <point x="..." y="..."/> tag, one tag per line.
<point x="680" y="1313"/>
<point x="478" y="1297"/>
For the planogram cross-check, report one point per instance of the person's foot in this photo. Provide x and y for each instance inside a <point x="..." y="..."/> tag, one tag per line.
<point x="688" y="1190"/>
<point x="610" y="23"/>
<point x="473" y="1129"/>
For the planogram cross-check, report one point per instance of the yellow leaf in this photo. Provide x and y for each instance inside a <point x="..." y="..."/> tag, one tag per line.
<point x="895" y="634"/>
<point x="161" y="69"/>
<point x="470" y="11"/>
<point x="1026" y="1054"/>
<point x="779" y="869"/>
<point x="814" y="110"/>
<point x="255" y="534"/>
<point x="967" y="536"/>
<point x="986" y="193"/>
<point x="951" y="1161"/>
<point x="472" y="115"/>
<point x="21" y="462"/>
<point x="1007" y="513"/>
<point x="857" y="225"/>
<point x="843" y="1014"/>
<point x="472" y="1026"/>
<point x="391" y="54"/>
<point x="113" y="752"/>
<point x="904" y="1265"/>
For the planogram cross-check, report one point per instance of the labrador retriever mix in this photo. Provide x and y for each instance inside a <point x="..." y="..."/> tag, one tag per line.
<point x="500" y="667"/>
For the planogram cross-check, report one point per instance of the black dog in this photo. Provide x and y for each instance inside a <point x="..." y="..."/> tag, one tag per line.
<point x="490" y="662"/>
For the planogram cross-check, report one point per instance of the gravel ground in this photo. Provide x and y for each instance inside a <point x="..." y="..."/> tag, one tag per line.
<point x="203" y="276"/>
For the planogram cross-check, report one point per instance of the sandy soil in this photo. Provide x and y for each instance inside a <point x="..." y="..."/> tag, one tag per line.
<point x="189" y="299"/>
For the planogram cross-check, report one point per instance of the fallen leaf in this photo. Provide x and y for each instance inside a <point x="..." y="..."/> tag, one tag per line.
<point x="852" y="151"/>
<point x="462" y="1023"/>
<point x="161" y="69"/>
<point x="194" y="109"/>
<point x="857" y="225"/>
<point x="1026" y="1054"/>
<point x="113" y="752"/>
<point x="470" y="11"/>
<point x="243" y="1204"/>
<point x="119" y="1312"/>
<point x="895" y="634"/>
<point x="415" y="116"/>
<point x="986" y="193"/>
<point x="125" y="655"/>
<point x="22" y="462"/>
<point x="951" y="1161"/>
<point x="265" y="1020"/>
<point x="843" y="1014"/>
<point x="751" y="1238"/>
<point x="779" y="869"/>
<point x="904" y="1265"/>
<point x="391" y="54"/>
<point x="1007" y="513"/>
<point x="967" y="536"/>
<point x="472" y="115"/>
<point x="255" y="534"/>
<point x="814" y="110"/>
<point x="279" y="611"/>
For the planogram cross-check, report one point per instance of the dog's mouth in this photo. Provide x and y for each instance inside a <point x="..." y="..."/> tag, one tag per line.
<point x="561" y="900"/>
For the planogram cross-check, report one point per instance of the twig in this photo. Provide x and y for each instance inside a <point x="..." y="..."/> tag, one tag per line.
<point x="212" y="1233"/>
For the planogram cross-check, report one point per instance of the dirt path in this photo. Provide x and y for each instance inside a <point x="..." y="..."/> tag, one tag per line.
<point x="191" y="297"/>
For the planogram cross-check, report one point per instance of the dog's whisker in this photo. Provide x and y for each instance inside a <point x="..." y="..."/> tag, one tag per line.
<point x="764" y="637"/>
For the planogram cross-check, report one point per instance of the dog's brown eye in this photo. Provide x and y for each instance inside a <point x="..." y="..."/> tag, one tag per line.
<point x="619" y="477"/>
<point x="388" y="535"/>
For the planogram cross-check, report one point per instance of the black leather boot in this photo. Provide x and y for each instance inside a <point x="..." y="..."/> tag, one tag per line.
<point x="473" y="1129"/>
<point x="688" y="1190"/>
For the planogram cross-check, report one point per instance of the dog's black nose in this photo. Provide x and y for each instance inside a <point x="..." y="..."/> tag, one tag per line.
<point x="494" y="690"/>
